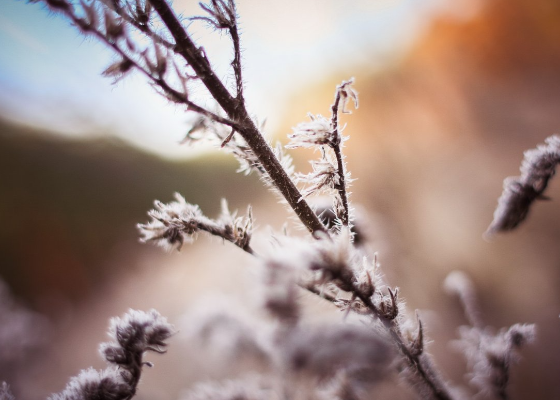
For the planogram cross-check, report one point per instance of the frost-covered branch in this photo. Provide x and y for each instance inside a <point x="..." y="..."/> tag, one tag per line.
<point x="344" y="93"/>
<point x="338" y="268"/>
<point x="131" y="337"/>
<point x="224" y="16"/>
<point x="323" y="133"/>
<point x="110" y="21"/>
<point x="178" y="222"/>
<point x="235" y="109"/>
<point x="332" y="267"/>
<point x="537" y="168"/>
<point x="490" y="355"/>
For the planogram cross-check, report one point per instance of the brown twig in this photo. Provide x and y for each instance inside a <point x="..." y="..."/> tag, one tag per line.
<point x="336" y="146"/>
<point x="236" y="111"/>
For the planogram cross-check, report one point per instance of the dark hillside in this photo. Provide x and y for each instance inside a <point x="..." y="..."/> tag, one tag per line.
<point x="68" y="205"/>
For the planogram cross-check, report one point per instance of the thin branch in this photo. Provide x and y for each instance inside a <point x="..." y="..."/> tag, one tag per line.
<point x="239" y="120"/>
<point x="422" y="366"/>
<point x="159" y="81"/>
<point x="223" y="15"/>
<point x="336" y="146"/>
<point x="236" y="63"/>
<point x="235" y="109"/>
<point x="537" y="168"/>
<point x="144" y="28"/>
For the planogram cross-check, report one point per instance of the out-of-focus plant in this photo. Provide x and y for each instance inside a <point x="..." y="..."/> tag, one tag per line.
<point x="537" y="168"/>
<point x="23" y="335"/>
<point x="337" y="361"/>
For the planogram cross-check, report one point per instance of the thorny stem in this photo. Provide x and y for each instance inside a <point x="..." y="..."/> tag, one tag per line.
<point x="236" y="111"/>
<point x="341" y="186"/>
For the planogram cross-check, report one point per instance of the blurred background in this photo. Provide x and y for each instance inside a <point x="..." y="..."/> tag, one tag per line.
<point x="451" y="94"/>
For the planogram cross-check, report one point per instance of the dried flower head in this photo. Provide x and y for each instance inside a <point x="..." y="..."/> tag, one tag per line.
<point x="317" y="132"/>
<point x="323" y="178"/>
<point x="172" y="224"/>
<point x="347" y="93"/>
<point x="491" y="356"/>
<point x="222" y="14"/>
<point x="281" y="291"/>
<point x="537" y="168"/>
<point x="114" y="26"/>
<point x="132" y="335"/>
<point x="178" y="222"/>
<point x="91" y="384"/>
<point x="238" y="230"/>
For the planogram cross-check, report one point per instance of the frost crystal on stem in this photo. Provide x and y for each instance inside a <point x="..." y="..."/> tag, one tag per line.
<point x="489" y="355"/>
<point x="178" y="222"/>
<point x="322" y="133"/>
<point x="132" y="336"/>
<point x="324" y="177"/>
<point x="331" y="265"/>
<point x="317" y="132"/>
<point x="537" y="168"/>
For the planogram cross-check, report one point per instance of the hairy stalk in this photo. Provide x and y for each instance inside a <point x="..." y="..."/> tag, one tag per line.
<point x="236" y="111"/>
<point x="236" y="63"/>
<point x="239" y="120"/>
<point x="144" y="28"/>
<point x="172" y="93"/>
<point x="422" y="366"/>
<point x="341" y="186"/>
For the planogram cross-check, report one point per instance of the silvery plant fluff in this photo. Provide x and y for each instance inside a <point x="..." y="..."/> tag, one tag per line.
<point x="345" y="360"/>
<point x="537" y="168"/>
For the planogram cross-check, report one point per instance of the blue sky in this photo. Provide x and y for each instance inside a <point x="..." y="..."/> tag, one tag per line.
<point x="50" y="74"/>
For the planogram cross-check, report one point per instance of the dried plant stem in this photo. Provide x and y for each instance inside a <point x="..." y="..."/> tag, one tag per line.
<point x="236" y="63"/>
<point x="341" y="186"/>
<point x="236" y="111"/>
<point x="172" y="93"/>
<point x="144" y="28"/>
<point x="422" y="366"/>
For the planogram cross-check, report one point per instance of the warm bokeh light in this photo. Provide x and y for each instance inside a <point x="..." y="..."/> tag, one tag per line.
<point x="451" y="94"/>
